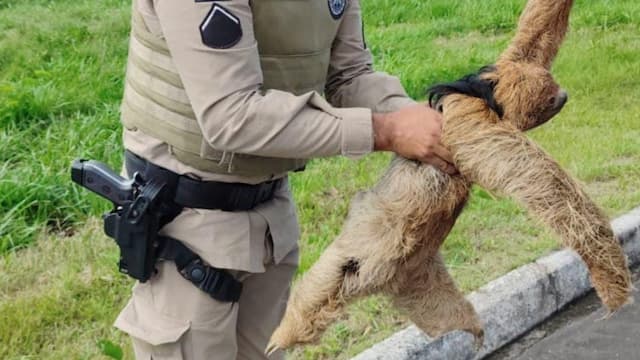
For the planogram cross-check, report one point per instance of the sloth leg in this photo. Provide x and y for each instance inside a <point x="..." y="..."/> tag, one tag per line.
<point x="317" y="299"/>
<point x="433" y="302"/>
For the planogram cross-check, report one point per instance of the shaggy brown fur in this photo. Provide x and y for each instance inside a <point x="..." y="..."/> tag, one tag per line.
<point x="390" y="240"/>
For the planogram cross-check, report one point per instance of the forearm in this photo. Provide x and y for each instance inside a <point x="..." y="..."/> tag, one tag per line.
<point x="382" y="130"/>
<point x="378" y="91"/>
<point x="280" y="124"/>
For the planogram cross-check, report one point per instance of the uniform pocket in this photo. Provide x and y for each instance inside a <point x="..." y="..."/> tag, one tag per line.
<point x="155" y="335"/>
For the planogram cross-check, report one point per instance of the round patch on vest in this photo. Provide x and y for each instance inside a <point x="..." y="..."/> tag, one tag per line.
<point x="220" y="29"/>
<point x="336" y="8"/>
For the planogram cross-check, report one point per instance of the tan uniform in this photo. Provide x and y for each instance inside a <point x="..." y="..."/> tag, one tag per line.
<point x="251" y="100"/>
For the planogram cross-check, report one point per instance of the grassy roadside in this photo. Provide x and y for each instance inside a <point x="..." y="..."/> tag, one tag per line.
<point x="60" y="85"/>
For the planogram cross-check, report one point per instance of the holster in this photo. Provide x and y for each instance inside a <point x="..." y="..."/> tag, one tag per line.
<point x="152" y="198"/>
<point x="135" y="227"/>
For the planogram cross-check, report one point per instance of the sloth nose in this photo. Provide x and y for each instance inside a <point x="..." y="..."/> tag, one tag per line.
<point x="561" y="99"/>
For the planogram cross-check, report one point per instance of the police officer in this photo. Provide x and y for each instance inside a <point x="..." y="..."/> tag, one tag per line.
<point x="226" y="94"/>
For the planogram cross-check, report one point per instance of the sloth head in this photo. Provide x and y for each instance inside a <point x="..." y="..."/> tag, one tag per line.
<point x="519" y="87"/>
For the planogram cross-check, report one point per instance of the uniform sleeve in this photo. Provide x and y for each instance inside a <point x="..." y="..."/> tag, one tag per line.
<point x="351" y="79"/>
<point x="223" y="81"/>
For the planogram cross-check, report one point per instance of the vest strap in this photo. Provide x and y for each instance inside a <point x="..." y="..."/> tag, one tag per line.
<point x="142" y="33"/>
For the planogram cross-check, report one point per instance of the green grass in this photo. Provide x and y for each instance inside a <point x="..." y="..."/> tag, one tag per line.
<point x="60" y="81"/>
<point x="60" y="87"/>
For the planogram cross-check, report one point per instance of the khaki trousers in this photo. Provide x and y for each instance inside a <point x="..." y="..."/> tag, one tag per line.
<point x="168" y="318"/>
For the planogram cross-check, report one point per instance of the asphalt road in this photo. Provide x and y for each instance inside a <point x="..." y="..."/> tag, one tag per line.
<point x="579" y="332"/>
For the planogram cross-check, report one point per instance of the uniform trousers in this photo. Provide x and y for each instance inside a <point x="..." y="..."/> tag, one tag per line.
<point x="169" y="318"/>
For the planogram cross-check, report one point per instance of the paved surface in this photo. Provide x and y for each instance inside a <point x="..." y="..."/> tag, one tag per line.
<point x="580" y="333"/>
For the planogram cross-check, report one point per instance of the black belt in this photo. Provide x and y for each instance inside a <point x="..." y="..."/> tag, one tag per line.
<point x="213" y="195"/>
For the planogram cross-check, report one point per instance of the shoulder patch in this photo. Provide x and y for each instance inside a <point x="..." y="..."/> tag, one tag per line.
<point x="336" y="8"/>
<point x="220" y="29"/>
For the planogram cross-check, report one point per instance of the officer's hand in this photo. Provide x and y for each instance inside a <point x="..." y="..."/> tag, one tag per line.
<point x="414" y="133"/>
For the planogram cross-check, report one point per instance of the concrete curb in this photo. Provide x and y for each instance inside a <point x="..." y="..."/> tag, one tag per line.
<point x="511" y="305"/>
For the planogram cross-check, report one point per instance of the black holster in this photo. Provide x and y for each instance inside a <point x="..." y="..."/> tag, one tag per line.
<point x="159" y="205"/>
<point x="152" y="198"/>
<point x="135" y="226"/>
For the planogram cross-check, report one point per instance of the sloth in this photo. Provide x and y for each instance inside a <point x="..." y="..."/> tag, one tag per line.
<point x="390" y="241"/>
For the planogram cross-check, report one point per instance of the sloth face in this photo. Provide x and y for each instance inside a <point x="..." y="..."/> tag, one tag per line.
<point x="523" y="94"/>
<point x="519" y="88"/>
<point x="527" y="93"/>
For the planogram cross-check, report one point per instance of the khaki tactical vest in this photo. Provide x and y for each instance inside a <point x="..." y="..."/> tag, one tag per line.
<point x="293" y="61"/>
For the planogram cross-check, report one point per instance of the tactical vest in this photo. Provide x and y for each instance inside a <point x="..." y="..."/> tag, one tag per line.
<point x="294" y="61"/>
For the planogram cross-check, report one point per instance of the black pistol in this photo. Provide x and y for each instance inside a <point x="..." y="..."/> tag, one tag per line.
<point x="134" y="221"/>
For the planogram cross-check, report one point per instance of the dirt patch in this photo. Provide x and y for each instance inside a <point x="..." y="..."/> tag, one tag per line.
<point x="471" y="39"/>
<point x="625" y="161"/>
<point x="600" y="188"/>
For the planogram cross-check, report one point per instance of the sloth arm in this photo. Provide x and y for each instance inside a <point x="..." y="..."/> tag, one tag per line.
<point x="503" y="160"/>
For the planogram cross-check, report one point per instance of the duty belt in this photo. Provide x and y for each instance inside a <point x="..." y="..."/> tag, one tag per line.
<point x="212" y="195"/>
<point x="182" y="191"/>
